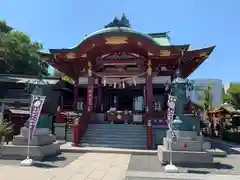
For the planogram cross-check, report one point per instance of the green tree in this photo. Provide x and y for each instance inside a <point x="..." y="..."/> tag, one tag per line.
<point x="18" y="54"/>
<point x="206" y="103"/>
<point x="232" y="95"/>
<point x="206" y="98"/>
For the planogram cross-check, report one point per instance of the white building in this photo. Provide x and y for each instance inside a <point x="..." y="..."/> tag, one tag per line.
<point x="197" y="94"/>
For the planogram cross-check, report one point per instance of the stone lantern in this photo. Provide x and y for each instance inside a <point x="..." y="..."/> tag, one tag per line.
<point x="179" y="87"/>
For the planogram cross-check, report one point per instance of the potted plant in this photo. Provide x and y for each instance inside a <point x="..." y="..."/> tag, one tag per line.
<point x="5" y="130"/>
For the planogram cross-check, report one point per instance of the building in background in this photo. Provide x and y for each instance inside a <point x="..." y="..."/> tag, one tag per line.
<point x="197" y="94"/>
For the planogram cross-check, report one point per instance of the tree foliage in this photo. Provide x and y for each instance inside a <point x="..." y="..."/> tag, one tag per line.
<point x="18" y="54"/>
<point x="232" y="95"/>
<point x="206" y="98"/>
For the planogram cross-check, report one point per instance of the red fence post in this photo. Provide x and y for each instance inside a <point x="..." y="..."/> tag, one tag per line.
<point x="76" y="134"/>
<point x="149" y="134"/>
<point x="59" y="119"/>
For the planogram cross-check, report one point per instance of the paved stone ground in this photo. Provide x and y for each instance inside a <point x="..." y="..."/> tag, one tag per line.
<point x="113" y="166"/>
<point x="139" y="178"/>
<point x="89" y="166"/>
<point x="149" y="163"/>
<point x="60" y="161"/>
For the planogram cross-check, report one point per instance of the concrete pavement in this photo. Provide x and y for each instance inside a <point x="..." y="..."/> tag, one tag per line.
<point x="117" y="165"/>
<point x="101" y="166"/>
<point x="91" y="166"/>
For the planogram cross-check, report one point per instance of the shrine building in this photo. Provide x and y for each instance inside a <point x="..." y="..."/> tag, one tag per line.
<point x="120" y="78"/>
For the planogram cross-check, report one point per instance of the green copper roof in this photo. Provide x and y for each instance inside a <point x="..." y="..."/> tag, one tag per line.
<point x="157" y="38"/>
<point x="162" y="39"/>
<point x="121" y="27"/>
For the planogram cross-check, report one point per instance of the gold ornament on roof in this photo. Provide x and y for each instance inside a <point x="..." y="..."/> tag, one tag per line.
<point x="149" y="70"/>
<point x="165" y="53"/>
<point x="114" y="40"/>
<point x="203" y="54"/>
<point x="84" y="55"/>
<point x="71" y="55"/>
<point x="150" y="54"/>
<point x="89" y="68"/>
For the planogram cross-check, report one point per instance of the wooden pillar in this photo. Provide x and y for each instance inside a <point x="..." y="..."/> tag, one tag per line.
<point x="149" y="89"/>
<point x="75" y="96"/>
<point x="99" y="92"/>
<point x="80" y="127"/>
<point x="145" y="96"/>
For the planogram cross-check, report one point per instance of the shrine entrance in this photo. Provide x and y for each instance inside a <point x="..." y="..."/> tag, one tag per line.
<point x="122" y="105"/>
<point x="126" y="99"/>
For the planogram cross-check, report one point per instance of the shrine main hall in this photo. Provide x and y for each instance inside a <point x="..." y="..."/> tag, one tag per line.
<point x="120" y="83"/>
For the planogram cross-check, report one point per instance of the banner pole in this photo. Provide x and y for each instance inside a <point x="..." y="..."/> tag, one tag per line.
<point x="170" y="146"/>
<point x="29" y="141"/>
<point x="170" y="168"/>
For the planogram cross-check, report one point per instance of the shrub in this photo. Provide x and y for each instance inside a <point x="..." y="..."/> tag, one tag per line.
<point x="231" y="136"/>
<point x="5" y="129"/>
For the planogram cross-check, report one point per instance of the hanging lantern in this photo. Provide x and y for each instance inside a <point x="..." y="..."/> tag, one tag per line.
<point x="104" y="82"/>
<point x="123" y="84"/>
<point x="134" y="82"/>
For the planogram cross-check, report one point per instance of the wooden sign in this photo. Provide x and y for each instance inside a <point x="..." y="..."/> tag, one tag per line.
<point x="90" y="98"/>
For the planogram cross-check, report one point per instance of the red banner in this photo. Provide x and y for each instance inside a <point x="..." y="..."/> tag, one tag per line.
<point x="90" y="98"/>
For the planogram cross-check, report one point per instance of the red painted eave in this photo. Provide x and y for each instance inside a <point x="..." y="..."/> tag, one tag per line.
<point x="192" y="60"/>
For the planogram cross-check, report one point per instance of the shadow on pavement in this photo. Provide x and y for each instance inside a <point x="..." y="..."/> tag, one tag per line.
<point x="197" y="171"/>
<point x="228" y="148"/>
<point x="209" y="166"/>
<point x="54" y="158"/>
<point x="43" y="165"/>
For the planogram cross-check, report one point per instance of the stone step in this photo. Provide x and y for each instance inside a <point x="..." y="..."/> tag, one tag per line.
<point x="107" y="131"/>
<point x="127" y="146"/>
<point x="115" y="135"/>
<point x="116" y="126"/>
<point x="114" y="140"/>
<point x="118" y="130"/>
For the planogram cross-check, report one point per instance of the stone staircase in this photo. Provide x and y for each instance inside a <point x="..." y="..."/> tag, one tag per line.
<point x="115" y="136"/>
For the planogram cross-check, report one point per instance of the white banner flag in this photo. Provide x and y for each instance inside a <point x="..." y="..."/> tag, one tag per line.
<point x="35" y="111"/>
<point x="174" y="136"/>
<point x="171" y="109"/>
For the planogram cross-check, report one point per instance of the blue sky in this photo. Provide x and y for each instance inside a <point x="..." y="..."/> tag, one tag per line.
<point x="201" y="23"/>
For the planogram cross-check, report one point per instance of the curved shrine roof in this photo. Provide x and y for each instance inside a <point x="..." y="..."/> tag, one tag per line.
<point x="114" y="39"/>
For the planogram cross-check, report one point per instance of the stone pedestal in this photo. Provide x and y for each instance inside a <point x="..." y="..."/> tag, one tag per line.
<point x="60" y="131"/>
<point x="42" y="144"/>
<point x="188" y="148"/>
